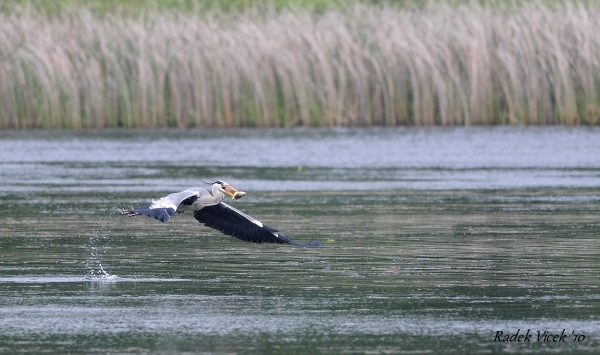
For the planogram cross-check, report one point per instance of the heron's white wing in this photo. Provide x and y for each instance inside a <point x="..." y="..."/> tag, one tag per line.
<point x="173" y="200"/>
<point x="163" y="208"/>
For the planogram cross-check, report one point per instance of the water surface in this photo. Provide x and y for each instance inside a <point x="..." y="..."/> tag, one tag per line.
<point x="434" y="240"/>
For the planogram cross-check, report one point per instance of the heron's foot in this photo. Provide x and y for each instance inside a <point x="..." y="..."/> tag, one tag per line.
<point x="130" y="212"/>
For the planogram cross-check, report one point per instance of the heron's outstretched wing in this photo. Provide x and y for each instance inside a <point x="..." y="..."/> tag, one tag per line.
<point x="163" y="208"/>
<point x="231" y="221"/>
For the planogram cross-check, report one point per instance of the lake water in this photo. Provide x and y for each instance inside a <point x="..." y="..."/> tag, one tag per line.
<point x="434" y="241"/>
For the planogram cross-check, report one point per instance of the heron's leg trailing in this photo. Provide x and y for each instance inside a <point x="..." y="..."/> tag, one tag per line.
<point x="130" y="212"/>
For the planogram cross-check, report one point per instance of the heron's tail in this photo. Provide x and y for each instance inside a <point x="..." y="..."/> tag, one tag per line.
<point x="162" y="214"/>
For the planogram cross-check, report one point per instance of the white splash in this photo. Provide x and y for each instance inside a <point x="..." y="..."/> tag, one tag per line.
<point x="97" y="246"/>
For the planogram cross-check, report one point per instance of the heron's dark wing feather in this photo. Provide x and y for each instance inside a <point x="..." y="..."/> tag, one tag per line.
<point x="230" y="221"/>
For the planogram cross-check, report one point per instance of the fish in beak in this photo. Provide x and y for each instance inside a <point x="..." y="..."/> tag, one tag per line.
<point x="233" y="193"/>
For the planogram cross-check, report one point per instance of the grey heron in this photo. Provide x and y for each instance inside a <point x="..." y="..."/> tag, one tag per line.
<point x="211" y="211"/>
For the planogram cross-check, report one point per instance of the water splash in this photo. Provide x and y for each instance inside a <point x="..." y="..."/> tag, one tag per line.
<point x="97" y="247"/>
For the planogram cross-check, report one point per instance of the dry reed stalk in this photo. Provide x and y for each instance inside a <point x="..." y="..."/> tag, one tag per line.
<point x="367" y="65"/>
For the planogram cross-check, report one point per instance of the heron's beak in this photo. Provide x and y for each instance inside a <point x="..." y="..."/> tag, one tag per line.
<point x="230" y="190"/>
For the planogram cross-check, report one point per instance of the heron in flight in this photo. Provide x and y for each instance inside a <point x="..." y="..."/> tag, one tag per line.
<point x="211" y="211"/>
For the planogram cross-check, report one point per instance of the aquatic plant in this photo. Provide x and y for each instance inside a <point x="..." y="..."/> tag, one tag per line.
<point x="366" y="65"/>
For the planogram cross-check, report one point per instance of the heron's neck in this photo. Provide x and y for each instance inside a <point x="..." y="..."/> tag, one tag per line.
<point x="217" y="195"/>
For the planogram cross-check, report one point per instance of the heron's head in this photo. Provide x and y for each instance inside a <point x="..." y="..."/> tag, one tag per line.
<point x="227" y="189"/>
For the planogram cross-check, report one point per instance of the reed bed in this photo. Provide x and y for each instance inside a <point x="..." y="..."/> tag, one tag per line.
<point x="361" y="66"/>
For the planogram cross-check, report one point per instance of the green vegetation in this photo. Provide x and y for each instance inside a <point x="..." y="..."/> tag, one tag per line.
<point x="174" y="63"/>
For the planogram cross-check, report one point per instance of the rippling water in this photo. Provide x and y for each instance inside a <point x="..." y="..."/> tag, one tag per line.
<point x="434" y="240"/>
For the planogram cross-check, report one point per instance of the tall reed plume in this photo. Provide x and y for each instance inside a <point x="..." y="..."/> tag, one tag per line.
<point x="367" y="65"/>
